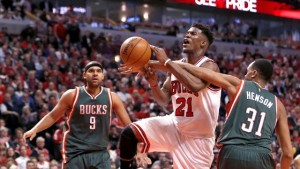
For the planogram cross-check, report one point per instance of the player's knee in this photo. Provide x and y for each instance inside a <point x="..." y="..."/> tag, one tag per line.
<point x="128" y="143"/>
<point x="128" y="133"/>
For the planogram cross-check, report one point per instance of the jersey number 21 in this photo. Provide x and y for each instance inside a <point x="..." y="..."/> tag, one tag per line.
<point x="182" y="103"/>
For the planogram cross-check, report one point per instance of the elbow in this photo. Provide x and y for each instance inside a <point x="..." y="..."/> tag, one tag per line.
<point x="162" y="104"/>
<point x="196" y="87"/>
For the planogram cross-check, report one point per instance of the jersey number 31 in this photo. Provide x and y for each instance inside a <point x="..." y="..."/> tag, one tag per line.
<point x="248" y="126"/>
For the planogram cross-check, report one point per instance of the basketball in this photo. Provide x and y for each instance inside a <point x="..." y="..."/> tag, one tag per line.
<point x="135" y="52"/>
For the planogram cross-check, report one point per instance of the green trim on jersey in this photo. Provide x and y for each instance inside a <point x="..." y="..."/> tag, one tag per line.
<point x="89" y="123"/>
<point x="251" y="119"/>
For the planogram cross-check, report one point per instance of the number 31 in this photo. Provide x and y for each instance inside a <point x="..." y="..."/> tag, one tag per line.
<point x="251" y="121"/>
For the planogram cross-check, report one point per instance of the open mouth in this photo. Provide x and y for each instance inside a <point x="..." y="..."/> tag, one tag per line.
<point x="186" y="42"/>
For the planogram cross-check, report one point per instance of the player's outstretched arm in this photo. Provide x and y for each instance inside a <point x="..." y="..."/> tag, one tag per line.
<point x="192" y="82"/>
<point x="227" y="82"/>
<point x="119" y="109"/>
<point x="284" y="139"/>
<point x="61" y="107"/>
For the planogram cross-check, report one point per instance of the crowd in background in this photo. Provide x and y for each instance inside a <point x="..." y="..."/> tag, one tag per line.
<point x="41" y="63"/>
<point x="234" y="30"/>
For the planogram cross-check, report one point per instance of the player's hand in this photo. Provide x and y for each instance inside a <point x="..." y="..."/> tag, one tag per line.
<point x="128" y="69"/>
<point x="150" y="75"/>
<point x="31" y="134"/>
<point x="141" y="158"/>
<point x="159" y="53"/>
<point x="125" y="69"/>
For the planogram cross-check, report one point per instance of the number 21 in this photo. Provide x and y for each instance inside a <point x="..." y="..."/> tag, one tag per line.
<point x="183" y="101"/>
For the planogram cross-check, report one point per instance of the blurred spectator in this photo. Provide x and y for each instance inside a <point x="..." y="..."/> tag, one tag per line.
<point x="46" y="5"/>
<point x="10" y="153"/>
<point x="9" y="113"/>
<point x="7" y="4"/>
<point x="173" y="30"/>
<point x="4" y="137"/>
<point x="60" y="31"/>
<point x="54" y="164"/>
<point x="29" y="118"/>
<point x="30" y="165"/>
<point x="40" y="149"/>
<point x="42" y="162"/>
<point x="29" y="32"/>
<point x="23" y="158"/>
<point x="57" y="141"/>
<point x="73" y="32"/>
<point x="114" y="135"/>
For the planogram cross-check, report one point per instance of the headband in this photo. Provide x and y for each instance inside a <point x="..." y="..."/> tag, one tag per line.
<point x="93" y="63"/>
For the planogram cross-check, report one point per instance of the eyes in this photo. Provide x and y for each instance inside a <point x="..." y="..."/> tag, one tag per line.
<point x="94" y="71"/>
<point x="191" y="33"/>
<point x="91" y="70"/>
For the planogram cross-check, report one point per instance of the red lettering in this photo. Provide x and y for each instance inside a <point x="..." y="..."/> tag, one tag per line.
<point x="177" y="87"/>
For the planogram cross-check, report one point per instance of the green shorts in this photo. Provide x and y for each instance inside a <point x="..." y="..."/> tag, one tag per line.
<point x="245" y="157"/>
<point x="92" y="160"/>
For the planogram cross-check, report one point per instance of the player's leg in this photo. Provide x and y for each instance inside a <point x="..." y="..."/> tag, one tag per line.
<point x="97" y="160"/>
<point x="154" y="134"/>
<point x="74" y="163"/>
<point x="128" y="146"/>
<point x="193" y="153"/>
<point x="237" y="157"/>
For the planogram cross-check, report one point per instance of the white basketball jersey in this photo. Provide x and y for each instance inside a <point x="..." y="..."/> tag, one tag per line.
<point x="195" y="114"/>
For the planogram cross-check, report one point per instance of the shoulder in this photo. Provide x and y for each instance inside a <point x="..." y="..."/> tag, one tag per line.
<point x="280" y="105"/>
<point x="211" y="64"/>
<point x="114" y="95"/>
<point x="116" y="100"/>
<point x="280" y="109"/>
<point x="69" y="94"/>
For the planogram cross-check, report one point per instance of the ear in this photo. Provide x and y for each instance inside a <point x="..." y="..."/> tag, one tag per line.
<point x="83" y="75"/>
<point x="203" y="43"/>
<point x="102" y="77"/>
<point x="254" y="74"/>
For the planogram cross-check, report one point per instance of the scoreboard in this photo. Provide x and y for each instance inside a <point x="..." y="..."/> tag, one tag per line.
<point x="270" y="7"/>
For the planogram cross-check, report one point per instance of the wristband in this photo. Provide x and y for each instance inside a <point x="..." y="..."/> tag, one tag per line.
<point x="166" y="62"/>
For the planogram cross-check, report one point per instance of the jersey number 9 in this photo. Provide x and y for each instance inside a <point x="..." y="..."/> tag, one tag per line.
<point x="92" y="123"/>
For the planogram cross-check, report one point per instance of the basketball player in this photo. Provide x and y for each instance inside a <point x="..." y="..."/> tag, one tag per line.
<point x="188" y="133"/>
<point x="89" y="111"/>
<point x="252" y="115"/>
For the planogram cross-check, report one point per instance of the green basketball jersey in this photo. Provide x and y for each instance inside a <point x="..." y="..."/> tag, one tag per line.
<point x="251" y="117"/>
<point x="88" y="123"/>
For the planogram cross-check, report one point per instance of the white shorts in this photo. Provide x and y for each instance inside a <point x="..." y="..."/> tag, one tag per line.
<point x="159" y="134"/>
